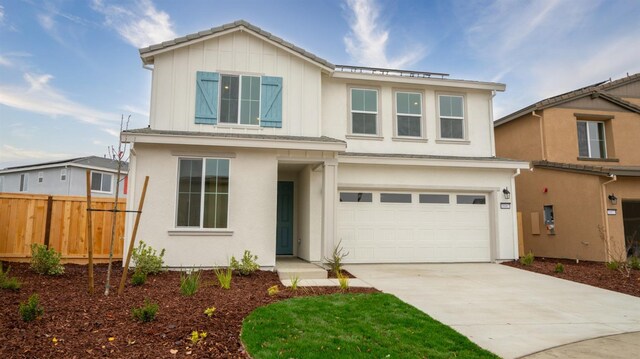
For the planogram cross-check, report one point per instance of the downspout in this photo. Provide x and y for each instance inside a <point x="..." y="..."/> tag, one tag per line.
<point x="542" y="141"/>
<point x="607" y="244"/>
<point x="515" y="212"/>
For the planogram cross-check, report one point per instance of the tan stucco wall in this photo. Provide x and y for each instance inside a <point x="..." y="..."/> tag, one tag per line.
<point x="519" y="139"/>
<point x="625" y="188"/>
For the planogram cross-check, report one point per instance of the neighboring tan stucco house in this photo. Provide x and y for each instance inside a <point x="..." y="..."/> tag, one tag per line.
<point x="257" y="144"/>
<point x="65" y="177"/>
<point x="582" y="199"/>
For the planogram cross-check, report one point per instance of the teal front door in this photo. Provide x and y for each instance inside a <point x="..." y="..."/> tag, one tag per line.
<point x="284" y="228"/>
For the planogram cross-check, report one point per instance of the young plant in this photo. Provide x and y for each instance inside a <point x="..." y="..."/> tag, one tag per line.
<point x="189" y="283"/>
<point x="273" y="290"/>
<point x="613" y="265"/>
<point x="559" y="268"/>
<point x="197" y="337"/>
<point x="335" y="261"/>
<point x="247" y="265"/>
<point x="343" y="280"/>
<point x="6" y="282"/>
<point x="138" y="278"/>
<point x="295" y="280"/>
<point x="147" y="260"/>
<point x="528" y="259"/>
<point x="634" y="263"/>
<point x="45" y="260"/>
<point x="146" y="313"/>
<point x="209" y="311"/>
<point x="224" y="277"/>
<point x="31" y="309"/>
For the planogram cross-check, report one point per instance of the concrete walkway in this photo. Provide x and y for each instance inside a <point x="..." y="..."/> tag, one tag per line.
<point x="508" y="311"/>
<point x="621" y="346"/>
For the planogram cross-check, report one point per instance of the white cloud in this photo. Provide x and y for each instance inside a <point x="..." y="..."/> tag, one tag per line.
<point x="367" y="41"/>
<point x="47" y="21"/>
<point x="4" y="61"/>
<point x="1" y="14"/>
<point x="11" y="153"/>
<point x="135" y="109"/>
<point x="140" y="24"/>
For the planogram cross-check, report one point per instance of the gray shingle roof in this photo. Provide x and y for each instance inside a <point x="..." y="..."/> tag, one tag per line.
<point x="93" y="161"/>
<point x="236" y="24"/>
<point x="590" y="169"/>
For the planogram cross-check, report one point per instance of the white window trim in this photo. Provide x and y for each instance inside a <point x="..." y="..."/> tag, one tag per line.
<point x="423" y="124"/>
<point x="24" y="188"/>
<point x="465" y="122"/>
<point x="101" y="180"/>
<point x="604" y="139"/>
<point x="238" y="124"/>
<point x="378" y="133"/>
<point x="185" y="230"/>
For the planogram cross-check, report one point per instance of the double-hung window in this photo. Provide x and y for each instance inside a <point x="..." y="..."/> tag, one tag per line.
<point x="239" y="99"/>
<point x="203" y="193"/>
<point x="24" y="182"/>
<point x="451" y="113"/>
<point x="101" y="182"/>
<point x="591" y="139"/>
<point x="409" y="114"/>
<point x="364" y="111"/>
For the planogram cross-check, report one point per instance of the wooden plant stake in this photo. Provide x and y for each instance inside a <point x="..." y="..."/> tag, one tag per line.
<point x="123" y="280"/>
<point x="89" y="232"/>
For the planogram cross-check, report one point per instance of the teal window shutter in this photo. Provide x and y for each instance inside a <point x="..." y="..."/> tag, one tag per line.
<point x="271" y="102"/>
<point x="207" y="97"/>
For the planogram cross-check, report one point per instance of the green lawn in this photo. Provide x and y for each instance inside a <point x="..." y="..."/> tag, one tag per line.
<point x="350" y="326"/>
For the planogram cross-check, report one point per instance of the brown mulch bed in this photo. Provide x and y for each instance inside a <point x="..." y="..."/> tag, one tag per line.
<point x="82" y="324"/>
<point x="592" y="273"/>
<point x="334" y="275"/>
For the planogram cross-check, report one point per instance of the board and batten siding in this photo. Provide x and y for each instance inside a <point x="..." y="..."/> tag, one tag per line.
<point x="174" y="84"/>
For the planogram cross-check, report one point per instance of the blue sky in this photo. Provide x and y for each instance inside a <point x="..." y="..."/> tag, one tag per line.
<point x="70" y="68"/>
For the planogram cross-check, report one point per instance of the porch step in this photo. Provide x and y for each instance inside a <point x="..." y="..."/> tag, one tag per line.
<point x="288" y="268"/>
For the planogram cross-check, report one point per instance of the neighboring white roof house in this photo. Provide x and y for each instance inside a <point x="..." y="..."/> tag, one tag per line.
<point x="257" y="144"/>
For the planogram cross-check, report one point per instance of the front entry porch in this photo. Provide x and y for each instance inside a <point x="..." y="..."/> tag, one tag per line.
<point x="291" y="267"/>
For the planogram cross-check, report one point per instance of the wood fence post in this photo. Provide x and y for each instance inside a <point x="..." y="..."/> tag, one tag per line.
<point x="47" y="226"/>
<point x="89" y="232"/>
<point x="123" y="280"/>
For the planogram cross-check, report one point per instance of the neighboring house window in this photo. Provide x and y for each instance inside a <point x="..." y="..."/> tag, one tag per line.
<point x="451" y="113"/>
<point x="1" y="183"/>
<point x="364" y="111"/>
<point x="591" y="139"/>
<point x="40" y="177"/>
<point x="239" y="99"/>
<point x="24" y="182"/>
<point x="203" y="193"/>
<point x="101" y="182"/>
<point x="63" y="174"/>
<point x="409" y="114"/>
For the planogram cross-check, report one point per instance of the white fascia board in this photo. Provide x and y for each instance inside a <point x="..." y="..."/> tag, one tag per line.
<point x="233" y="142"/>
<point x="434" y="162"/>
<point x="60" y="165"/>
<point x="465" y="84"/>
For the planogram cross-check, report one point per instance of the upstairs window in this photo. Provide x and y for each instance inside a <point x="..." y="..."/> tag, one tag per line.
<point x="240" y="99"/>
<point x="451" y="113"/>
<point x="409" y="114"/>
<point x="364" y="111"/>
<point x="101" y="182"/>
<point x="591" y="139"/>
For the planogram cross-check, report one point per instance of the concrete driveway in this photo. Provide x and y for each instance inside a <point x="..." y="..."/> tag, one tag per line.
<point x="508" y="311"/>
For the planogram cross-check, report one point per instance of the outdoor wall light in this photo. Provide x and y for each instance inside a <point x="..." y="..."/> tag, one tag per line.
<point x="614" y="200"/>
<point x="506" y="193"/>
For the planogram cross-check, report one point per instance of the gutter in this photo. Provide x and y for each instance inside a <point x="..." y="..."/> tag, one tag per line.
<point x="607" y="242"/>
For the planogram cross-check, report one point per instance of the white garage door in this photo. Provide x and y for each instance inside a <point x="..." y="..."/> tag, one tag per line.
<point x="377" y="227"/>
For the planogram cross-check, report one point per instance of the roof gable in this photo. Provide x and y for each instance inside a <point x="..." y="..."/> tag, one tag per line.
<point x="147" y="53"/>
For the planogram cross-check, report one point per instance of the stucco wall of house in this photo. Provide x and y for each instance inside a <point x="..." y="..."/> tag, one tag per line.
<point x="520" y="139"/>
<point x="310" y="223"/>
<point x="625" y="188"/>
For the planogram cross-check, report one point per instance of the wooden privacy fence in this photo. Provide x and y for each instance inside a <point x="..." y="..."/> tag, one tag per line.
<point x="60" y="222"/>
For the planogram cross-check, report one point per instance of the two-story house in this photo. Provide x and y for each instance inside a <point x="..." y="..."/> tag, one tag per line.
<point x="255" y="143"/>
<point x="582" y="199"/>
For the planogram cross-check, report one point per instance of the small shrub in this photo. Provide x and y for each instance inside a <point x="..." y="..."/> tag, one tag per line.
<point x="224" y="277"/>
<point x="209" y="311"/>
<point x="343" y="280"/>
<point x="247" y="265"/>
<point x="189" y="283"/>
<point x="146" y="313"/>
<point x="613" y="265"/>
<point x="559" y="268"/>
<point x="273" y="290"/>
<point x="528" y="259"/>
<point x="147" y="260"/>
<point x="295" y="280"/>
<point x="138" y="278"/>
<point x="197" y="337"/>
<point x="45" y="260"/>
<point x="335" y="261"/>
<point x="6" y="282"/>
<point x="634" y="263"/>
<point x="31" y="309"/>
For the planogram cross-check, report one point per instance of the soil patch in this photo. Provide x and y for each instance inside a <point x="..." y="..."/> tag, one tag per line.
<point x="334" y="275"/>
<point x="592" y="273"/>
<point x="98" y="326"/>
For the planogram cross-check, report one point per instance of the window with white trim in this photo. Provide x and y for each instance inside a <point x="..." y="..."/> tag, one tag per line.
<point x="240" y="99"/>
<point x="101" y="182"/>
<point x="203" y="193"/>
<point x="63" y="174"/>
<point x="24" y="182"/>
<point x="451" y="114"/>
<point x="364" y="111"/>
<point x="40" y="177"/>
<point x="591" y="139"/>
<point x="409" y="114"/>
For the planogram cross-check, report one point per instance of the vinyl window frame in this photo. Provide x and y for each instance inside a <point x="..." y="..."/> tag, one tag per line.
<point x="350" y="111"/>
<point x="102" y="174"/>
<point x="464" y="118"/>
<point x="239" y="76"/>
<point x="24" y="182"/>
<point x="604" y="139"/>
<point x="423" y="117"/>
